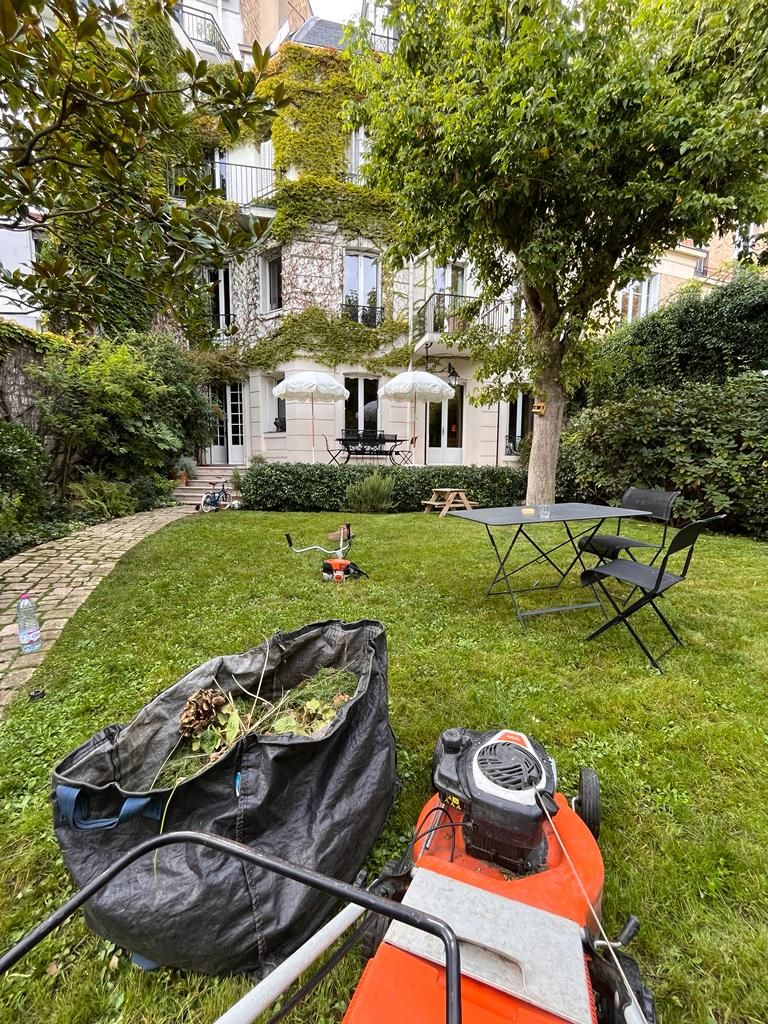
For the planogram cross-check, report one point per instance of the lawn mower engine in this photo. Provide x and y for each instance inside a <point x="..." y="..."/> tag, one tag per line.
<point x="514" y="868"/>
<point x="500" y="781"/>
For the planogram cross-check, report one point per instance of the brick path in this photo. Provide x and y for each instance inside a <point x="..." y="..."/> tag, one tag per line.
<point x="59" y="576"/>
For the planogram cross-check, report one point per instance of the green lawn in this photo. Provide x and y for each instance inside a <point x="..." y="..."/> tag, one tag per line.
<point x="683" y="757"/>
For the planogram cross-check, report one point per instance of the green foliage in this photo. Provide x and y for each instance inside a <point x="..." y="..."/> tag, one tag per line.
<point x="24" y="464"/>
<point x="95" y="496"/>
<point x="695" y="336"/>
<point x="294" y="487"/>
<point x="708" y="440"/>
<point x="13" y="335"/>
<point x="120" y="408"/>
<point x="93" y="109"/>
<point x="330" y="340"/>
<point x="308" y="135"/>
<point x="314" y="199"/>
<point x="185" y="465"/>
<point x="152" y="491"/>
<point x="373" y="493"/>
<point x="564" y="148"/>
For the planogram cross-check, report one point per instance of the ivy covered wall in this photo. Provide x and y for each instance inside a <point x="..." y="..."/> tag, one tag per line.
<point x="319" y="214"/>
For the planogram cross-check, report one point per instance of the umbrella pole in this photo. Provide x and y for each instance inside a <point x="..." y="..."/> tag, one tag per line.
<point x="313" y="428"/>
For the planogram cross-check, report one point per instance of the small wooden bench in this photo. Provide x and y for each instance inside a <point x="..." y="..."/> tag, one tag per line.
<point x="447" y="499"/>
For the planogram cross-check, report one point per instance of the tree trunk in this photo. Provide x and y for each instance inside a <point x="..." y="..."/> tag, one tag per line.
<point x="542" y="465"/>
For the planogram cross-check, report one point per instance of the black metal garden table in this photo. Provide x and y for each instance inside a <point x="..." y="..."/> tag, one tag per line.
<point x="522" y="517"/>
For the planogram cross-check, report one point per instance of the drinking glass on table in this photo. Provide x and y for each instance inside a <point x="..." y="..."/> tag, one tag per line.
<point x="544" y="511"/>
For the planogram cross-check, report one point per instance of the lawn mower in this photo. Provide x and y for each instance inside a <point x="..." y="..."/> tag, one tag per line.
<point x="337" y="569"/>
<point x="492" y="916"/>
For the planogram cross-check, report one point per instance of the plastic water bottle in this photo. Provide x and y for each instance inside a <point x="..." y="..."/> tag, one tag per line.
<point x="29" y="627"/>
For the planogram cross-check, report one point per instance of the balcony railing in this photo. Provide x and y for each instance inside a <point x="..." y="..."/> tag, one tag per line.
<point x="240" y="183"/>
<point x="201" y="28"/>
<point x="383" y="43"/>
<point x="368" y="316"/>
<point x="441" y="312"/>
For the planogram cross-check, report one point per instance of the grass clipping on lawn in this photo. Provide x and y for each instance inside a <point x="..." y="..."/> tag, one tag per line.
<point x="211" y="721"/>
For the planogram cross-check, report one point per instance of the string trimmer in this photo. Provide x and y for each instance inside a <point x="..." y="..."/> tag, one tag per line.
<point x="339" y="568"/>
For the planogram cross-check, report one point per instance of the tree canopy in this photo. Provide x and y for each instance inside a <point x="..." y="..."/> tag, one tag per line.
<point x="98" y="99"/>
<point x="563" y="145"/>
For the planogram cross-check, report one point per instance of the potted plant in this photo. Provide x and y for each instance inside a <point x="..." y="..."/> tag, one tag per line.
<point x="185" y="469"/>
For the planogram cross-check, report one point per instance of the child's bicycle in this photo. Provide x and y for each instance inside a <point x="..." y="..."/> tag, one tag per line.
<point x="215" y="500"/>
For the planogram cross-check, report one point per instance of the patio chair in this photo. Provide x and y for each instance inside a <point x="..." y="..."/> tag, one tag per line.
<point x="610" y="545"/>
<point x="334" y="453"/>
<point x="651" y="582"/>
<point x="405" y="455"/>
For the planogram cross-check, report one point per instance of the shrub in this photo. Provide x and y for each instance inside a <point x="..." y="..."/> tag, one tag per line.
<point x="371" y="494"/>
<point x="696" y="336"/>
<point x="96" y="496"/>
<point x="708" y="440"/>
<point x="152" y="491"/>
<point x="299" y="487"/>
<point x="23" y="465"/>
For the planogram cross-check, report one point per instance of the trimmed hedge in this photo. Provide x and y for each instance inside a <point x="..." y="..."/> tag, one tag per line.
<point x="709" y="441"/>
<point x="298" y="487"/>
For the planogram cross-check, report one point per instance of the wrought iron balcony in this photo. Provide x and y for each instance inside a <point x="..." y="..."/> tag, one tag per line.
<point x="368" y="316"/>
<point x="441" y="312"/>
<point x="201" y="28"/>
<point x="239" y="183"/>
<point x="383" y="43"/>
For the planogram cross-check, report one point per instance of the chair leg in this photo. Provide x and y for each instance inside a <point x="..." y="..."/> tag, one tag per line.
<point x="623" y="617"/>
<point x="663" y="618"/>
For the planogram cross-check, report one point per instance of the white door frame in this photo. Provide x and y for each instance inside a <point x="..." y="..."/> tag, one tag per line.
<point x="446" y="455"/>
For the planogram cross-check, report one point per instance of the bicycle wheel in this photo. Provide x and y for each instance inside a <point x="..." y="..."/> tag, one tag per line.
<point x="209" y="503"/>
<point x="224" y="500"/>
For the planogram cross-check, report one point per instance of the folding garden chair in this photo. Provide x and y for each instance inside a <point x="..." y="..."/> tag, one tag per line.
<point x="610" y="545"/>
<point x="651" y="582"/>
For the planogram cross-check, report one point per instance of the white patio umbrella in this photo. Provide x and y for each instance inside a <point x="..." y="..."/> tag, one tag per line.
<point x="419" y="386"/>
<point x="311" y="386"/>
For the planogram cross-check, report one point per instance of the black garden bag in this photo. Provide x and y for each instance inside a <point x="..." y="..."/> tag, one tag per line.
<point x="318" y="801"/>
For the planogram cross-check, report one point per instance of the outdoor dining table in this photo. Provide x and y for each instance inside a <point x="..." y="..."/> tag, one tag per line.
<point x="523" y="517"/>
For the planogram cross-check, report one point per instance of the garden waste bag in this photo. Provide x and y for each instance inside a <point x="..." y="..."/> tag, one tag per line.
<point x="317" y="800"/>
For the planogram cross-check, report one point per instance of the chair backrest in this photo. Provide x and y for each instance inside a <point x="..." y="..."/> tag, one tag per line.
<point x="658" y="503"/>
<point x="686" y="538"/>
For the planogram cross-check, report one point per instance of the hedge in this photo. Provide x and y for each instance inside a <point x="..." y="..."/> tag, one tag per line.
<point x="708" y="440"/>
<point x="298" y="487"/>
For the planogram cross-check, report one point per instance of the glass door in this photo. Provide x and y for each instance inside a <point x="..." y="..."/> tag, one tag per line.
<point x="361" y="288"/>
<point x="228" y="445"/>
<point x="217" y="453"/>
<point x="445" y="430"/>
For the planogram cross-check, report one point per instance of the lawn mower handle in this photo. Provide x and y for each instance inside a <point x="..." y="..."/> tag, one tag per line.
<point x="332" y="886"/>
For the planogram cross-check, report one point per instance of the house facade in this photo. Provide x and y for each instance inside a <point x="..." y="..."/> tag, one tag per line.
<point x="319" y="267"/>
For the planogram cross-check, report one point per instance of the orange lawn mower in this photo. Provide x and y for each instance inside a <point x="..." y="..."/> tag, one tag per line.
<point x="492" y="916"/>
<point x="337" y="569"/>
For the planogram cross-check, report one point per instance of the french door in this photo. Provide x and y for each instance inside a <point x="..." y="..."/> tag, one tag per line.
<point x="445" y="430"/>
<point x="228" y="445"/>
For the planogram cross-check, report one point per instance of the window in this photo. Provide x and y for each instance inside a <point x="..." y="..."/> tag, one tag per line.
<point x="272" y="283"/>
<point x="520" y="422"/>
<point x="221" y="298"/>
<point x="638" y="298"/>
<point x="361" y="410"/>
<point x="361" y="288"/>
<point x="358" y="147"/>
<point x="276" y="423"/>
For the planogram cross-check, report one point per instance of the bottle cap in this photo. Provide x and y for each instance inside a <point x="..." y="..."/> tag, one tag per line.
<point x="23" y="596"/>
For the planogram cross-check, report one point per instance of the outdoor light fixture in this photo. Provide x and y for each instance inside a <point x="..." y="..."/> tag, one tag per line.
<point x="453" y="373"/>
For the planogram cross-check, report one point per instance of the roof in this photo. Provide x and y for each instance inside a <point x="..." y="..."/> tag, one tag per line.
<point x="319" y="32"/>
